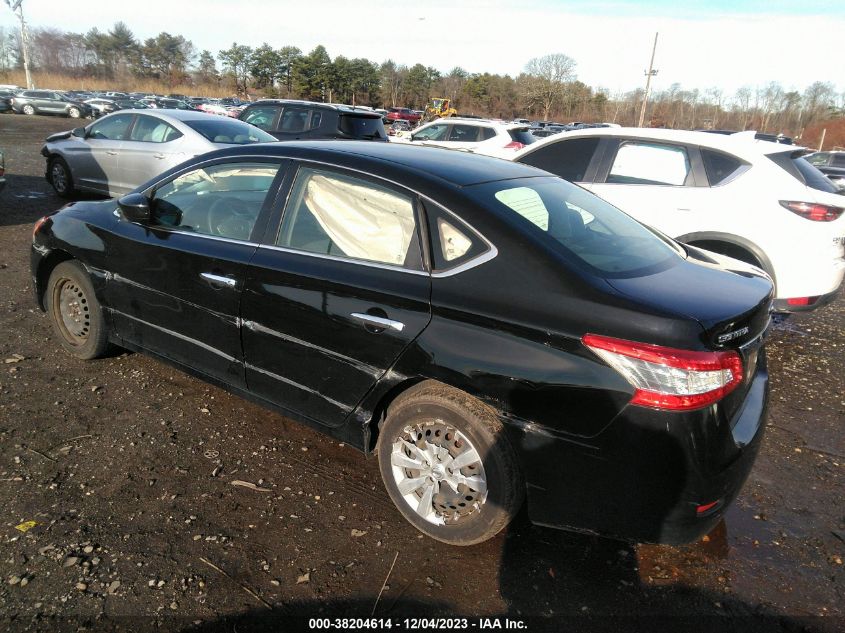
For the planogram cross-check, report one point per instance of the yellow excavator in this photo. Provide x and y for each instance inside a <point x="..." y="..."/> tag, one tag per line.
<point x="439" y="108"/>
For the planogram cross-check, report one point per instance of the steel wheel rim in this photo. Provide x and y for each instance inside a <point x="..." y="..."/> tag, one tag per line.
<point x="57" y="174"/>
<point x="438" y="472"/>
<point x="73" y="311"/>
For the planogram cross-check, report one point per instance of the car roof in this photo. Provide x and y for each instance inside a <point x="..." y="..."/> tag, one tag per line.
<point x="429" y="164"/>
<point x="739" y="144"/>
<point x="507" y="125"/>
<point x="328" y="106"/>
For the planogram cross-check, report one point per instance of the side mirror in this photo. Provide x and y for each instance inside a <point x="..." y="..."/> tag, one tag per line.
<point x="78" y="132"/>
<point x="135" y="207"/>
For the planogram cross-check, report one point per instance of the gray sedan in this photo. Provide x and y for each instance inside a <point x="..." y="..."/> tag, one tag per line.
<point x="125" y="149"/>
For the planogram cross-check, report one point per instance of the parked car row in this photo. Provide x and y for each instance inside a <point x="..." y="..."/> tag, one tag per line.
<point x="482" y="136"/>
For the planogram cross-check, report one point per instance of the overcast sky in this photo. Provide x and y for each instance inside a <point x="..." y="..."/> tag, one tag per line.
<point x="721" y="43"/>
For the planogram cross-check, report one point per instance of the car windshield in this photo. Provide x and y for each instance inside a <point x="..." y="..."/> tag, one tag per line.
<point x="588" y="231"/>
<point x="229" y="131"/>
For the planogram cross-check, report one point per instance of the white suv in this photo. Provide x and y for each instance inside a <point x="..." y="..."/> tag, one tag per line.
<point x="482" y="136"/>
<point x="752" y="200"/>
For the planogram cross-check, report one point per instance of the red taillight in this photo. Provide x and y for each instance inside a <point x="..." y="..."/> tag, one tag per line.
<point x="514" y="145"/>
<point x="708" y="508"/>
<point x="38" y="224"/>
<point x="802" y="301"/>
<point x="668" y="378"/>
<point x="813" y="211"/>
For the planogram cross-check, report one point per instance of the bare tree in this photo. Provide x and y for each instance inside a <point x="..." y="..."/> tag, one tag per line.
<point x="545" y="79"/>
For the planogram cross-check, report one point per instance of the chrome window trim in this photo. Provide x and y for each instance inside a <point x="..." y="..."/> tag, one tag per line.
<point x="479" y="259"/>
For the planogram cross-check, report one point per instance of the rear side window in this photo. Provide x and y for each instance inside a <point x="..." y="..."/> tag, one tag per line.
<point x="522" y="135"/>
<point x="638" y="163"/>
<point x="487" y="133"/>
<point x="453" y="243"/>
<point x="719" y="166"/>
<point x="838" y="160"/>
<point x="567" y="159"/>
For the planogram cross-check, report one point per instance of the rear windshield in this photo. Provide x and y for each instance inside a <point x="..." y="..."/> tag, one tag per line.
<point x="229" y="131"/>
<point x="522" y="135"/>
<point x="588" y="231"/>
<point x="362" y="127"/>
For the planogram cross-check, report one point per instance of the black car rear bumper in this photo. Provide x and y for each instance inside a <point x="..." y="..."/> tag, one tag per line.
<point x="650" y="476"/>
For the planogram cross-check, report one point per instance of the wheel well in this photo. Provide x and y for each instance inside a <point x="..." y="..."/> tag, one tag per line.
<point x="731" y="250"/>
<point x="380" y="411"/>
<point x="45" y="268"/>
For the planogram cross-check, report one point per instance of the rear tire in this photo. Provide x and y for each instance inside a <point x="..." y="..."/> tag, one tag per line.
<point x="430" y="429"/>
<point x="28" y="109"/>
<point x="74" y="113"/>
<point x="61" y="178"/>
<point x="75" y="312"/>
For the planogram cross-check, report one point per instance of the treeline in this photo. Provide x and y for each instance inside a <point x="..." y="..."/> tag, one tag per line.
<point x="547" y="89"/>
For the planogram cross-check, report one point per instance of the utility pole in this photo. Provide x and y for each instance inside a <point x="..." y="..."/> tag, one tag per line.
<point x="649" y="74"/>
<point x="15" y="5"/>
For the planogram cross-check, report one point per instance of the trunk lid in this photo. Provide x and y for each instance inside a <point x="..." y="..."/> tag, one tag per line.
<point x="731" y="301"/>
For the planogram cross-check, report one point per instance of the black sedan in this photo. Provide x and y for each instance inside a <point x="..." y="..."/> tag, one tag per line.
<point x="490" y="331"/>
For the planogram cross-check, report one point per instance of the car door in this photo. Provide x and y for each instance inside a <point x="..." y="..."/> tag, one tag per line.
<point x="94" y="159"/>
<point x="175" y="284"/>
<point x="334" y="296"/>
<point x="151" y="148"/>
<point x="655" y="182"/>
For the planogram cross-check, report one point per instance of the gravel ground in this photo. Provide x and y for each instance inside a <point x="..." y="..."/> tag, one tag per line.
<point x="120" y="505"/>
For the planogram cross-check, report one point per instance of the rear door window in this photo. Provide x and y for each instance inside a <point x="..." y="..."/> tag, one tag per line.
<point x="148" y="129"/>
<point x="295" y="120"/>
<point x="643" y="163"/>
<point x="330" y="213"/>
<point x="818" y="158"/>
<point x="838" y="160"/>
<point x="465" y="133"/>
<point x="567" y="159"/>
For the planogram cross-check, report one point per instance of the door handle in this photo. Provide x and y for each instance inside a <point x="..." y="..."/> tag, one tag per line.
<point x="111" y="152"/>
<point x="219" y="280"/>
<point x="158" y="156"/>
<point x="369" y="319"/>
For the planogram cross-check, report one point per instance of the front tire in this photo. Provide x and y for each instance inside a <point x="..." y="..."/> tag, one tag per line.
<point x="447" y="465"/>
<point x="61" y="178"/>
<point x="28" y="109"/>
<point x="75" y="312"/>
<point x="74" y="113"/>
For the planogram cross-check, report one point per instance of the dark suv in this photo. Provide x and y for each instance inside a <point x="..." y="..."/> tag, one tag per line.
<point x="49" y="102"/>
<point x="289" y="120"/>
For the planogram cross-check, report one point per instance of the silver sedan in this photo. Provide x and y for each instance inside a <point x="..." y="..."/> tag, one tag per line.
<point x="118" y="152"/>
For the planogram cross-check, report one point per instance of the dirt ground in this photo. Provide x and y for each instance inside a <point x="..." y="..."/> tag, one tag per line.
<point x="127" y="469"/>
